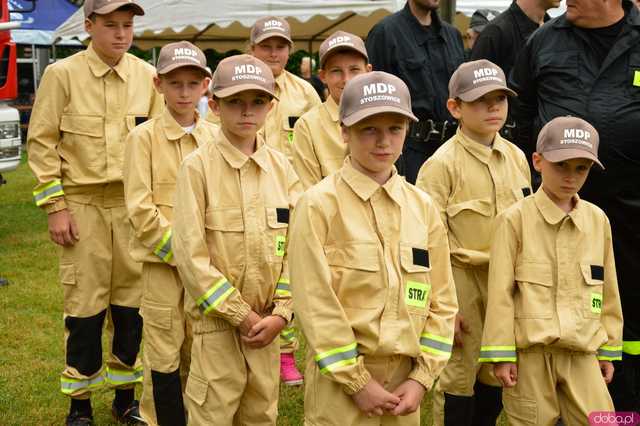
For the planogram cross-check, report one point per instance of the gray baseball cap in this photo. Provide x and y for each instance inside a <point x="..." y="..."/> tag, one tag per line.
<point x="564" y="138"/>
<point x="475" y="79"/>
<point x="268" y="27"/>
<point x="339" y="42"/>
<point x="103" y="7"/>
<point x="374" y="93"/>
<point x="181" y="54"/>
<point x="242" y="72"/>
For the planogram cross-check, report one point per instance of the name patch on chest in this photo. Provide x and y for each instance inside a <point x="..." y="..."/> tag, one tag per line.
<point x="596" y="303"/>
<point x="281" y="243"/>
<point x="416" y="294"/>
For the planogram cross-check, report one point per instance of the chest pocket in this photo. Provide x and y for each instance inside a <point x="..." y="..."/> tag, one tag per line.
<point x="355" y="274"/>
<point x="534" y="295"/>
<point x="633" y="78"/>
<point x="83" y="140"/>
<point x="416" y="280"/>
<point x="225" y="236"/>
<point x="593" y="290"/>
<point x="276" y="235"/>
<point x="560" y="72"/>
<point x="416" y="73"/>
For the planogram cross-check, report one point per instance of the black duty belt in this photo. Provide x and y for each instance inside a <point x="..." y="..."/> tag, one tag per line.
<point x="429" y="130"/>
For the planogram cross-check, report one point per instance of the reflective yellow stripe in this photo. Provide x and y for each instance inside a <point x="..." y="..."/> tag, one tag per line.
<point x="498" y="354"/>
<point x="43" y="193"/>
<point x="163" y="249"/>
<point x="283" y="289"/>
<point x="437" y="345"/>
<point x="338" y="357"/>
<point x="123" y="377"/>
<point x="631" y="347"/>
<point x="610" y="353"/>
<point x="69" y="386"/>
<point x="215" y="296"/>
<point x="288" y="334"/>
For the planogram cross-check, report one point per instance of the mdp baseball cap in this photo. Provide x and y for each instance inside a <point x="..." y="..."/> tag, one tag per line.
<point x="102" y="7"/>
<point x="242" y="72"/>
<point x="268" y="27"/>
<point x="181" y="54"/>
<point x="481" y="18"/>
<point x="564" y="138"/>
<point x="374" y="93"/>
<point x="341" y="41"/>
<point x="475" y="79"/>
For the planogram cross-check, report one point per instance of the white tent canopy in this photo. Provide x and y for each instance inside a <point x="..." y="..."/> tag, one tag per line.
<point x="225" y="24"/>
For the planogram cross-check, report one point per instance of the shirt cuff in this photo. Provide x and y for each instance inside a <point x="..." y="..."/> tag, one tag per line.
<point x="283" y="312"/>
<point x="240" y="315"/>
<point x="56" y="205"/>
<point x="356" y="385"/>
<point x="420" y="375"/>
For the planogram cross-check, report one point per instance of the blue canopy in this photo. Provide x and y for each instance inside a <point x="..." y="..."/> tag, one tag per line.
<point x="37" y="26"/>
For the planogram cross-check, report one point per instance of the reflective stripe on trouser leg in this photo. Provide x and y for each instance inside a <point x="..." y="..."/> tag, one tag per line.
<point x="288" y="339"/>
<point x="124" y="369"/>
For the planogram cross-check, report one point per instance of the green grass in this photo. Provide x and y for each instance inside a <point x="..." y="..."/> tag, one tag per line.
<point x="31" y="328"/>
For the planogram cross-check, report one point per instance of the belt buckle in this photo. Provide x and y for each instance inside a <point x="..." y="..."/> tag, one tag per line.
<point x="433" y="132"/>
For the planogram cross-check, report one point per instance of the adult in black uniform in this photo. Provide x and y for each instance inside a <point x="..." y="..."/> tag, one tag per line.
<point x="415" y="45"/>
<point x="586" y="63"/>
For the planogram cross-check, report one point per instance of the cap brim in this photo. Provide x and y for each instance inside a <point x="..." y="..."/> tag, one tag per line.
<point x="479" y="92"/>
<point x="368" y="112"/>
<point x="265" y="36"/>
<point x="337" y="49"/>
<point x="137" y="9"/>
<point x="229" y="91"/>
<point x="564" y="154"/>
<point x="172" y="67"/>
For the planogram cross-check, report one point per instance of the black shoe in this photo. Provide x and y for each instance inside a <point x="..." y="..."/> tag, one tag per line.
<point x="79" y="419"/>
<point x="128" y="416"/>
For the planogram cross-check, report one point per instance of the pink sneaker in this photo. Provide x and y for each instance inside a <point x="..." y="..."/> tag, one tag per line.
<point x="289" y="374"/>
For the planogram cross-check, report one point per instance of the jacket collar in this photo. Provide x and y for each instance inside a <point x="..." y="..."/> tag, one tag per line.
<point x="332" y="108"/>
<point x="524" y="23"/>
<point x="364" y="187"/>
<point x="236" y="158"/>
<point x="480" y="151"/>
<point x="99" y="68"/>
<point x="174" y="131"/>
<point x="417" y="28"/>
<point x="553" y="214"/>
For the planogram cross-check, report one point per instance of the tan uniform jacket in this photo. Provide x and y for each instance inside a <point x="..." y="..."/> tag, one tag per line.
<point x="319" y="149"/>
<point x="154" y="152"/>
<point x="296" y="97"/>
<point x="83" y="111"/>
<point x="231" y="217"/>
<point x="371" y="276"/>
<point x="472" y="183"/>
<point x="552" y="281"/>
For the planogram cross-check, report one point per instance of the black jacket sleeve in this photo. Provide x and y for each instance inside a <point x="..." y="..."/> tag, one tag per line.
<point x="525" y="109"/>
<point x="379" y="46"/>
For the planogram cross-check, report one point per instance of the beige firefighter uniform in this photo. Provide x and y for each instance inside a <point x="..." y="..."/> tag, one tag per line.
<point x="471" y="183"/>
<point x="318" y="147"/>
<point x="553" y="301"/>
<point x="82" y="114"/>
<point x="230" y="228"/>
<point x="153" y="155"/>
<point x="296" y="97"/>
<point x="371" y="278"/>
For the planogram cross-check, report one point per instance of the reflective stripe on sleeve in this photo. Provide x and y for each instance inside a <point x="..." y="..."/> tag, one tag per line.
<point x="123" y="377"/>
<point x="163" y="249"/>
<point x="610" y="353"/>
<point x="44" y="193"/>
<point x="631" y="347"/>
<point x="338" y="357"/>
<point x="69" y="386"/>
<point x="215" y="296"/>
<point x="498" y="354"/>
<point x="282" y="289"/>
<point x="436" y="345"/>
<point x="288" y="334"/>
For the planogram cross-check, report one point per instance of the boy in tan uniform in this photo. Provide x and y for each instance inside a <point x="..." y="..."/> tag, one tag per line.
<point x="233" y="198"/>
<point x="317" y="139"/>
<point x="554" y="321"/>
<point x="85" y="106"/>
<point x="370" y="272"/>
<point x="270" y="41"/>
<point x="153" y="155"/>
<point x="473" y="177"/>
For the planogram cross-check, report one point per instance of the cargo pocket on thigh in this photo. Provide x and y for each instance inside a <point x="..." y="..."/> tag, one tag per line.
<point x="162" y="349"/>
<point x="519" y="410"/>
<point x="196" y="390"/>
<point x="68" y="280"/>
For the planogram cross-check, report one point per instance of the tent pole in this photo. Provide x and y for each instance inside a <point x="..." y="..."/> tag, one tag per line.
<point x="335" y="24"/>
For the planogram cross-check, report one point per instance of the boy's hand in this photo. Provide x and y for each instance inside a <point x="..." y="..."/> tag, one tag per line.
<point x="606" y="368"/>
<point x="62" y="228"/>
<point x="248" y="323"/>
<point x="459" y="328"/>
<point x="506" y="373"/>
<point x="374" y="400"/>
<point x="410" y="393"/>
<point x="263" y="332"/>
